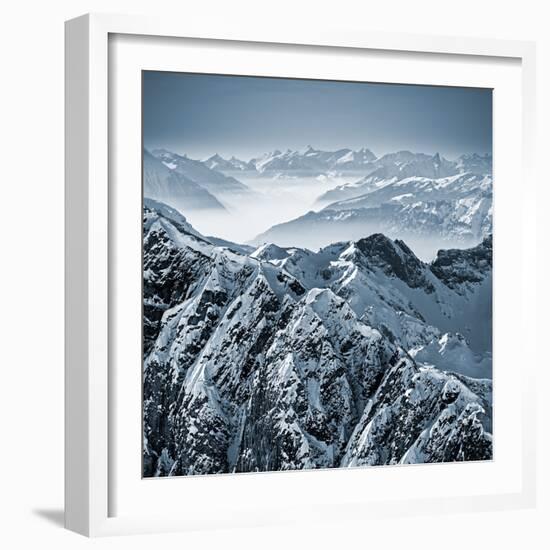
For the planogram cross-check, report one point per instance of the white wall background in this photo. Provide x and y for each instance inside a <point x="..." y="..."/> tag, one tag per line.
<point x="31" y="202"/>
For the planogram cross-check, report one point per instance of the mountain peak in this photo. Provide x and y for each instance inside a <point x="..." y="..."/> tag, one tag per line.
<point x="456" y="267"/>
<point x="385" y="249"/>
<point x="214" y="160"/>
<point x="374" y="242"/>
<point x="394" y="258"/>
<point x="270" y="251"/>
<point x="321" y="300"/>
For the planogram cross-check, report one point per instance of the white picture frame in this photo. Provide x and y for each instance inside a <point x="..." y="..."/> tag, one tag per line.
<point x="91" y="222"/>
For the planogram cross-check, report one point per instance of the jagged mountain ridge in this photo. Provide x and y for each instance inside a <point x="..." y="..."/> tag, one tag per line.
<point x="232" y="164"/>
<point x="210" y="179"/>
<point x="457" y="210"/>
<point x="313" y="161"/>
<point x="403" y="297"/>
<point x="304" y="162"/>
<point x="394" y="167"/>
<point x="412" y="189"/>
<point x="252" y="365"/>
<point x="370" y="169"/>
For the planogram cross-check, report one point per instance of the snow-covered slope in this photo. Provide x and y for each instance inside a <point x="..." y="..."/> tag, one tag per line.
<point x="290" y="359"/>
<point x="476" y="164"/>
<point x="174" y="253"/>
<point x="212" y="180"/>
<point x="393" y="167"/>
<point x="162" y="209"/>
<point x="304" y="162"/>
<point x="409" y="300"/>
<point x="451" y="211"/>
<point x="310" y="161"/>
<point x="420" y="414"/>
<point x="233" y="164"/>
<point x="414" y="189"/>
<point x="163" y="184"/>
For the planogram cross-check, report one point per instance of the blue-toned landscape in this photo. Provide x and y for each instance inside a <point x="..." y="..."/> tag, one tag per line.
<point x="314" y="306"/>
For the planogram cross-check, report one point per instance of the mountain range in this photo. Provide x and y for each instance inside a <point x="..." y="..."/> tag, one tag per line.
<point x="345" y="161"/>
<point x="312" y="161"/>
<point x="435" y="202"/>
<point x="394" y="167"/>
<point x="293" y="163"/>
<point x="162" y="183"/>
<point x="454" y="209"/>
<point x="285" y="358"/>
<point x="210" y="179"/>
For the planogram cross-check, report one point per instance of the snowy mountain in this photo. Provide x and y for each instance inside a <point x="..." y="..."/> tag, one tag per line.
<point x="164" y="184"/>
<point x="414" y="189"/>
<point x="305" y="162"/>
<point x="365" y="170"/>
<point x="456" y="210"/>
<point x="353" y="160"/>
<point x="400" y="295"/>
<point x="284" y="358"/>
<point x="210" y="179"/>
<point x="165" y="211"/>
<point x="312" y="161"/>
<point x="216" y="162"/>
<point x="397" y="166"/>
<point x="233" y="164"/>
<point x="476" y="164"/>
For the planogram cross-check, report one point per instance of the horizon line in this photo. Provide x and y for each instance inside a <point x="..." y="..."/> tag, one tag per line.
<point x="280" y="151"/>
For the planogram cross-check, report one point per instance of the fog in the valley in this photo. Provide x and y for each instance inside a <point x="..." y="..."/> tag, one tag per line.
<point x="281" y="211"/>
<point x="256" y="131"/>
<point x="314" y="233"/>
<point x="271" y="202"/>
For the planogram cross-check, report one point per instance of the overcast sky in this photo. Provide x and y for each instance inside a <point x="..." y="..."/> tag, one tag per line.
<point x="246" y="116"/>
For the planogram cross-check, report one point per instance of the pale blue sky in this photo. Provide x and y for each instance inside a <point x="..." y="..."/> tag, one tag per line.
<point x="246" y="116"/>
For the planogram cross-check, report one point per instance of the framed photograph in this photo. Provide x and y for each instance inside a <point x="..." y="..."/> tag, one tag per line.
<point x="295" y="275"/>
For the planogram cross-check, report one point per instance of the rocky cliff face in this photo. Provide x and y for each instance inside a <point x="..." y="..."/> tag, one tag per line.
<point x="459" y="268"/>
<point x="290" y="359"/>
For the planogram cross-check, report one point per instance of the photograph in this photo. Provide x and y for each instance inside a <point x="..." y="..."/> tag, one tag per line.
<point x="275" y="275"/>
<point x="317" y="274"/>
